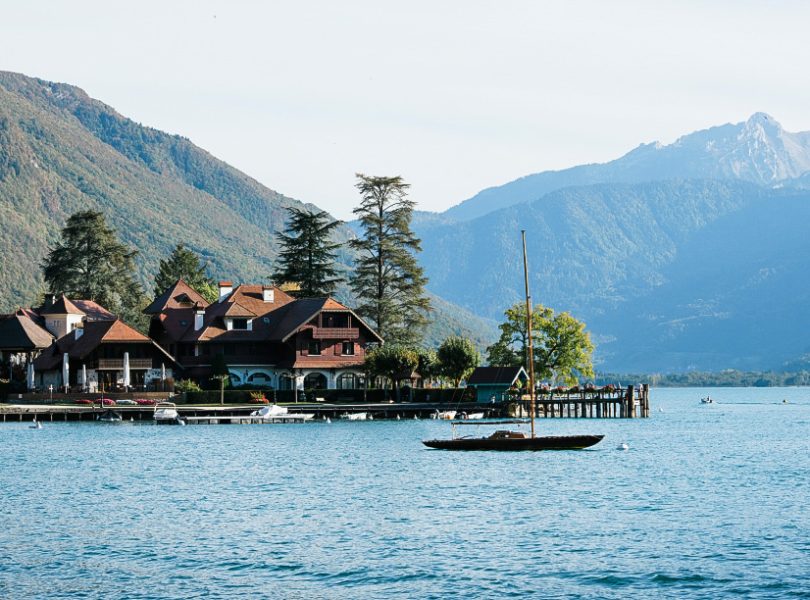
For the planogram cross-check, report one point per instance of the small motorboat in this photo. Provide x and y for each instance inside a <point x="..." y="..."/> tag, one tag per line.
<point x="274" y="413"/>
<point x="444" y="415"/>
<point x="707" y="400"/>
<point x="166" y="414"/>
<point x="358" y="416"/>
<point x="476" y="416"/>
<point x="110" y="416"/>
<point x="35" y="424"/>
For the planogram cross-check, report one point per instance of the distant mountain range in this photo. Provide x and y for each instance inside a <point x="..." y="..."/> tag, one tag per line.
<point x="686" y="256"/>
<point x="62" y="151"/>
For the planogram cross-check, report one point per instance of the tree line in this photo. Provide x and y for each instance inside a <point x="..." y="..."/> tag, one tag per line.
<point x="386" y="280"/>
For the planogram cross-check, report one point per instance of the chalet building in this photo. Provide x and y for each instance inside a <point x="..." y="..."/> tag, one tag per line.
<point x="266" y="336"/>
<point x="81" y="345"/>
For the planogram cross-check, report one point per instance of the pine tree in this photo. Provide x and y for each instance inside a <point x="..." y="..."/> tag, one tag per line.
<point x="89" y="263"/>
<point x="307" y="257"/>
<point x="387" y="280"/>
<point x="186" y="265"/>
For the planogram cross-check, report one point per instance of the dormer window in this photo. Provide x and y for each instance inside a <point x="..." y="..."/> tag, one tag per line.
<point x="314" y="348"/>
<point x="240" y="324"/>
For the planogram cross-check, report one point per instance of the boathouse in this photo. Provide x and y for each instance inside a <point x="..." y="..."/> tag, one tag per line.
<point x="492" y="383"/>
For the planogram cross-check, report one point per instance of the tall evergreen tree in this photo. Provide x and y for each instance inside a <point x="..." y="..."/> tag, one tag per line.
<point x="307" y="257"/>
<point x="387" y="278"/>
<point x="186" y="265"/>
<point x="91" y="264"/>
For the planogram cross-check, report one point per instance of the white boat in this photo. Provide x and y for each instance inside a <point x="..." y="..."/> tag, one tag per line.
<point x="444" y="415"/>
<point x="706" y="400"/>
<point x="474" y="416"/>
<point x="274" y="413"/>
<point x="358" y="416"/>
<point x="166" y="414"/>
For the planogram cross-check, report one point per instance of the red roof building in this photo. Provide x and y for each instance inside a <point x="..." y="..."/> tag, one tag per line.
<point x="266" y="336"/>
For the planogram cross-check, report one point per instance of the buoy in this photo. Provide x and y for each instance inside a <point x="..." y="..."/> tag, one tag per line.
<point x="660" y="410"/>
<point x="371" y="417"/>
<point x="328" y="420"/>
<point x="622" y="447"/>
<point x="415" y="418"/>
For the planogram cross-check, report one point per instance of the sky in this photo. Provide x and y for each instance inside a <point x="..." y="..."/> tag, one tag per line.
<point x="454" y="96"/>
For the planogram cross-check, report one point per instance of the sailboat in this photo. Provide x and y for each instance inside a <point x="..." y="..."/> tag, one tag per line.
<point x="504" y="439"/>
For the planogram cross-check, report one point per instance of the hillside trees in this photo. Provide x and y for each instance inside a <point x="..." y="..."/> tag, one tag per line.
<point x="307" y="257"/>
<point x="562" y="348"/>
<point x="387" y="279"/>
<point x="186" y="265"/>
<point x="91" y="264"/>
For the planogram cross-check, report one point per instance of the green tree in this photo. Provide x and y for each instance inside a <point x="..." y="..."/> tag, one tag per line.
<point x="428" y="366"/>
<point x="307" y="257"/>
<point x="392" y="361"/>
<point x="186" y="265"/>
<point x="457" y="358"/>
<point x="387" y="278"/>
<point x="89" y="263"/>
<point x="563" y="350"/>
<point x="219" y="372"/>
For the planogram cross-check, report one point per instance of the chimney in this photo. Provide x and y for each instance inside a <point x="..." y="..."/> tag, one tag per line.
<point x="268" y="294"/>
<point x="225" y="288"/>
<point x="199" y="317"/>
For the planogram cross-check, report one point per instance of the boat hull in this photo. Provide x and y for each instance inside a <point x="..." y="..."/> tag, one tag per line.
<point x="556" y="442"/>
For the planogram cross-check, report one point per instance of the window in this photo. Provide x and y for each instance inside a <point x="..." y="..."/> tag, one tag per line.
<point x="314" y="348"/>
<point x="240" y="324"/>
<point x="348" y="381"/>
<point x="348" y="349"/>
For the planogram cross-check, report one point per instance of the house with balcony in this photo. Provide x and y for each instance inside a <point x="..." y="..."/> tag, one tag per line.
<point x="102" y="355"/>
<point x="266" y="336"/>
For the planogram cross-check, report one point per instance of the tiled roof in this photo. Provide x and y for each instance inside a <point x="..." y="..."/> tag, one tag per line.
<point x="18" y="331"/>
<point x="237" y="310"/>
<point x="175" y="296"/>
<point x="495" y="375"/>
<point x="95" y="333"/>
<point x="62" y="306"/>
<point x="94" y="311"/>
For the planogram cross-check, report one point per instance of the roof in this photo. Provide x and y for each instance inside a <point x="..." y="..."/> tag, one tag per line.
<point x="62" y="306"/>
<point x="178" y="295"/>
<point x="495" y="375"/>
<point x="94" y="334"/>
<point x="18" y="331"/>
<point x="94" y="311"/>
<point x="237" y="310"/>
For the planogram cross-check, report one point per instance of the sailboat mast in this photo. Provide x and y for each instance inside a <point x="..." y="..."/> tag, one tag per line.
<point x="529" y="329"/>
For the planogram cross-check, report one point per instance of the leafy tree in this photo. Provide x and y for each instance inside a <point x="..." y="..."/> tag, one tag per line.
<point x="386" y="278"/>
<point x="186" y="265"/>
<point x="428" y="366"/>
<point x="562" y="348"/>
<point x="457" y="358"/>
<point x="307" y="256"/>
<point x="219" y="371"/>
<point x="89" y="263"/>
<point x="393" y="362"/>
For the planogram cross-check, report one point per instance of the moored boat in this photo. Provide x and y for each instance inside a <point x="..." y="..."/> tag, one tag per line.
<point x="166" y="414"/>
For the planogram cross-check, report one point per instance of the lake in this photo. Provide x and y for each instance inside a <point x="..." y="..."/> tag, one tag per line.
<point x="708" y="502"/>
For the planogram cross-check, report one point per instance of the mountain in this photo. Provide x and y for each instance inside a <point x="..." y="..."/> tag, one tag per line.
<point x="758" y="150"/>
<point x="668" y="275"/>
<point x="681" y="256"/>
<point x="62" y="151"/>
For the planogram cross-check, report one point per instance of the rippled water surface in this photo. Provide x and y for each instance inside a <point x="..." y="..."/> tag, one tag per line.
<point x="708" y="502"/>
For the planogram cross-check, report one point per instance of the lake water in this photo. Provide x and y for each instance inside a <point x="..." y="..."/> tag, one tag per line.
<point x="710" y="501"/>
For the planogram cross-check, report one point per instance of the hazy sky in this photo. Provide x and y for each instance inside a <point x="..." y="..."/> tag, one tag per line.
<point x="454" y="96"/>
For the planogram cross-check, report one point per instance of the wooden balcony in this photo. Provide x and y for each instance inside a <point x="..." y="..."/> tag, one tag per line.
<point x="335" y="333"/>
<point x="117" y="364"/>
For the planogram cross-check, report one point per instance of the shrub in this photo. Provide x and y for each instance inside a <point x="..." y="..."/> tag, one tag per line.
<point x="186" y="385"/>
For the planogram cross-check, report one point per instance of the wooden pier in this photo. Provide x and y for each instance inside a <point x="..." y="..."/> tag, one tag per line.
<point x="631" y="402"/>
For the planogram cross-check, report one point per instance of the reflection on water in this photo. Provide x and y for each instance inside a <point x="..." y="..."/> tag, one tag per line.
<point x="707" y="502"/>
